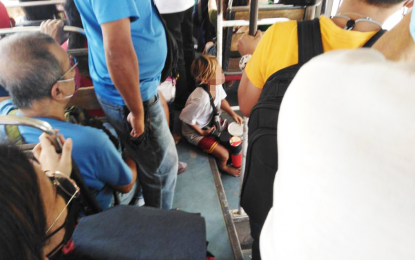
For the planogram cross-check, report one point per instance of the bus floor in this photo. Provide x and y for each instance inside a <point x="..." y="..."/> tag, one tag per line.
<point x="202" y="189"/>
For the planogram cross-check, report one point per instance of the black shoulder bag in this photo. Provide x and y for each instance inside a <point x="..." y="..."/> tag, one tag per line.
<point x="170" y="66"/>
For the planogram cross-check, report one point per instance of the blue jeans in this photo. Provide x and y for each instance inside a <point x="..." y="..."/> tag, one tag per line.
<point x="154" y="152"/>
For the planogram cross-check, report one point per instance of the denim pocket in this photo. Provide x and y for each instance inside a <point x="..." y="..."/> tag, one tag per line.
<point x="138" y="142"/>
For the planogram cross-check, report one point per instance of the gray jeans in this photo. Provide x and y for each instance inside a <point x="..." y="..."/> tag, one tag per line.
<point x="154" y="152"/>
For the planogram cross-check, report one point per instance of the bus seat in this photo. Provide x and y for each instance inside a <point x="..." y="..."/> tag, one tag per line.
<point x="86" y="98"/>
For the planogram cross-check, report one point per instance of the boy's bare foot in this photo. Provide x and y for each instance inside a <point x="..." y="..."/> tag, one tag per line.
<point x="232" y="171"/>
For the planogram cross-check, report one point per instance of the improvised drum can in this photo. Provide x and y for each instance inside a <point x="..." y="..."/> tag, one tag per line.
<point x="235" y="144"/>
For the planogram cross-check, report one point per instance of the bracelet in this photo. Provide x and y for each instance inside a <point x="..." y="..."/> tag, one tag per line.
<point x="244" y="60"/>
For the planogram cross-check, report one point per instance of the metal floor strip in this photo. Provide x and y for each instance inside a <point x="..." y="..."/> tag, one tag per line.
<point x="227" y="216"/>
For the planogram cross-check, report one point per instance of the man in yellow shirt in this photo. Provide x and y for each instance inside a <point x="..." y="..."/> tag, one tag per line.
<point x="278" y="47"/>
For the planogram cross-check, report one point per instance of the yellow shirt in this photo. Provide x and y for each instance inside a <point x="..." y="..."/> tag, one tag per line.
<point x="278" y="47"/>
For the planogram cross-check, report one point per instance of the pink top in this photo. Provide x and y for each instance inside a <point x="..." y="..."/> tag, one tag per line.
<point x="4" y="17"/>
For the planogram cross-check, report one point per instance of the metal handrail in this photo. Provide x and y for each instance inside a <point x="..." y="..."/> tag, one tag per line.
<point x="32" y="122"/>
<point x="265" y="21"/>
<point x="10" y="4"/>
<point x="66" y="28"/>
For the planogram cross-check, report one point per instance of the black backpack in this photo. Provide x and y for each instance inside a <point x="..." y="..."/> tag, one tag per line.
<point x="262" y="154"/>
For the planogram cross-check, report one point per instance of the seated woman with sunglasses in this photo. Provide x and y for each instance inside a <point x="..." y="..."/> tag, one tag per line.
<point x="39" y="206"/>
<point x="39" y="76"/>
<point x="34" y="200"/>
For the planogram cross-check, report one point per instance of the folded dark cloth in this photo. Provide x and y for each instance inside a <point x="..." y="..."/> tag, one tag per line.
<point x="129" y="232"/>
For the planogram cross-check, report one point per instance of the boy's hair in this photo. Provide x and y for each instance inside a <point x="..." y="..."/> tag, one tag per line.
<point x="204" y="68"/>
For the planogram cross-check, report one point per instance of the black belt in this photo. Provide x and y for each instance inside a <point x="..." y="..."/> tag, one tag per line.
<point x="151" y="101"/>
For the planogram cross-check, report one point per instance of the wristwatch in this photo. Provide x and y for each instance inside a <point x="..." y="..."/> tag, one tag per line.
<point x="244" y="60"/>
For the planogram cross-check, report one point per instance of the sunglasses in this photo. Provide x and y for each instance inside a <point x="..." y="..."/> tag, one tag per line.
<point x="67" y="186"/>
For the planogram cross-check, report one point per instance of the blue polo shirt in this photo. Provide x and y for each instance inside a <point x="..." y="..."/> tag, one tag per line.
<point x="147" y="34"/>
<point x="99" y="162"/>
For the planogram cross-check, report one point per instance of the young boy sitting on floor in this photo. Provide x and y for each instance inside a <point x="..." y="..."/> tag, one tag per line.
<point x="198" y="112"/>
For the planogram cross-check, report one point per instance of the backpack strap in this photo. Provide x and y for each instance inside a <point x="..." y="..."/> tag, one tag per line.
<point x="309" y="40"/>
<point x="212" y="103"/>
<point x="12" y="131"/>
<point x="374" y="38"/>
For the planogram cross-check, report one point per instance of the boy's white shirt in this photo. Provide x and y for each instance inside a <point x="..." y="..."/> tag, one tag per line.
<point x="198" y="109"/>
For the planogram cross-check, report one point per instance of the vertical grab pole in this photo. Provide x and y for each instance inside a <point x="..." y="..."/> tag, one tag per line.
<point x="219" y="33"/>
<point x="253" y="26"/>
<point x="253" y="17"/>
<point x="240" y="211"/>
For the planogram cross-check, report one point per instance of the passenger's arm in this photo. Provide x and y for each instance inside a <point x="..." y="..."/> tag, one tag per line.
<point x="248" y="95"/>
<point x="227" y="108"/>
<point x="123" y="68"/>
<point x="133" y="166"/>
<point x="54" y="28"/>
<point x="248" y="43"/>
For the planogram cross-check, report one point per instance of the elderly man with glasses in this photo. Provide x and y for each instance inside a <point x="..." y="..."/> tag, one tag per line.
<point x="40" y="78"/>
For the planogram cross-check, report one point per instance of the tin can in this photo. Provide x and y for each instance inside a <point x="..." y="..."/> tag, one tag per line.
<point x="235" y="144"/>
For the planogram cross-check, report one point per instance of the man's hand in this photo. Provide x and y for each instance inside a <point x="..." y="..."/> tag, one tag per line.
<point x="137" y="124"/>
<point x="54" y="28"/>
<point x="247" y="43"/>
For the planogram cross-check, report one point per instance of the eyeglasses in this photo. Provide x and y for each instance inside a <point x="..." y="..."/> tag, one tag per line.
<point x="61" y="80"/>
<point x="69" y="70"/>
<point x="67" y="186"/>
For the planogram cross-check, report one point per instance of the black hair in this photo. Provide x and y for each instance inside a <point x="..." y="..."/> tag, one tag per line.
<point x="36" y="13"/>
<point x="76" y="40"/>
<point x="22" y="215"/>
<point x="383" y="3"/>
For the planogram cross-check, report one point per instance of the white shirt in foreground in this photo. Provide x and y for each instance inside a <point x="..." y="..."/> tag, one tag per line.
<point x="345" y="187"/>
<point x="173" y="6"/>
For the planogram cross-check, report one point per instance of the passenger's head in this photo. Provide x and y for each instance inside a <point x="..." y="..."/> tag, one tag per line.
<point x="385" y="3"/>
<point x="34" y="204"/>
<point x="207" y="70"/>
<point x="76" y="40"/>
<point x="34" y="67"/>
<point x="23" y="222"/>
<point x="398" y="44"/>
<point x="378" y="10"/>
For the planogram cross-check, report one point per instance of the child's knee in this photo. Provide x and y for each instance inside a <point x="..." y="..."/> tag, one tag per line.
<point x="224" y="154"/>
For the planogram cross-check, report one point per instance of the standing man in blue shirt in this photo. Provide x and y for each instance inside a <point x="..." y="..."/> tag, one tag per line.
<point x="127" y="52"/>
